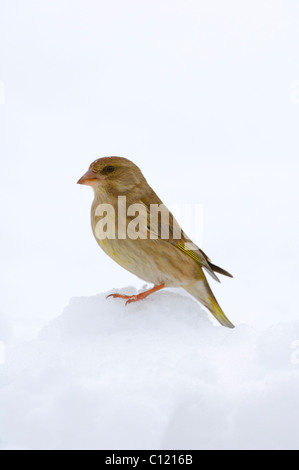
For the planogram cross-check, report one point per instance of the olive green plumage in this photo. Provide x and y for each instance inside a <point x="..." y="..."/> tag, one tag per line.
<point x="163" y="261"/>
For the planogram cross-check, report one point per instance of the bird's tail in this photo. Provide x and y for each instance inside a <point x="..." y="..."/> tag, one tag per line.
<point x="202" y="292"/>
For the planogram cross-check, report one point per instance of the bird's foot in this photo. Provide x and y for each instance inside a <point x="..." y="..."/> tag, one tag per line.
<point x="129" y="298"/>
<point x="135" y="298"/>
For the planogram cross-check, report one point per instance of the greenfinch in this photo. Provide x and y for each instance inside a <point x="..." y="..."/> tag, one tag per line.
<point x="151" y="245"/>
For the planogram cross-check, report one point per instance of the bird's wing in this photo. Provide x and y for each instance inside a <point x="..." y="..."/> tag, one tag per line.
<point x="162" y="225"/>
<point x="192" y="250"/>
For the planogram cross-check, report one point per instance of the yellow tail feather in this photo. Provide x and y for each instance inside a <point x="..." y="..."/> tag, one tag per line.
<point x="202" y="292"/>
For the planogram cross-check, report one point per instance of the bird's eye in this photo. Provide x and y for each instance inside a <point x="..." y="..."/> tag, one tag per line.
<point x="108" y="169"/>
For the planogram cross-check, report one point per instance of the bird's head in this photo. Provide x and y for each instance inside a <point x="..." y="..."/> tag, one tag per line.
<point x="112" y="174"/>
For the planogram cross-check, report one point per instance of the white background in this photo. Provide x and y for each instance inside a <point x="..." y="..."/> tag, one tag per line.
<point x="203" y="96"/>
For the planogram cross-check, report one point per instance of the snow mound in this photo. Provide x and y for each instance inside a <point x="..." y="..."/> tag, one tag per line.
<point x="155" y="375"/>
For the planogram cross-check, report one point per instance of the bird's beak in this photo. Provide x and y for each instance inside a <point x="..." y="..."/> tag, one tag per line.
<point x="89" y="178"/>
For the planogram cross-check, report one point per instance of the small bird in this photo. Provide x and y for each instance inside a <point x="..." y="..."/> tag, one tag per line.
<point x="163" y="255"/>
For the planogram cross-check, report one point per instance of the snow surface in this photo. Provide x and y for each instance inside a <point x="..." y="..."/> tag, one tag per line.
<point x="155" y="375"/>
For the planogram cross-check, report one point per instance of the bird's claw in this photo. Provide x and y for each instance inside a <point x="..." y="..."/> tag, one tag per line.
<point x="134" y="298"/>
<point x="130" y="298"/>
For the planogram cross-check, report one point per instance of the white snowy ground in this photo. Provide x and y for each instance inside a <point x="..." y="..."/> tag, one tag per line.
<point x="156" y="375"/>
